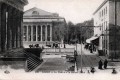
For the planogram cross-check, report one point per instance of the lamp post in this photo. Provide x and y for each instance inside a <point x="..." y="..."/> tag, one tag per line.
<point x="81" y="46"/>
<point x="115" y="27"/>
<point x="81" y="51"/>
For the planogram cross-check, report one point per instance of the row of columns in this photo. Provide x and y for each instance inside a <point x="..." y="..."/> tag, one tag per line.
<point x="43" y="34"/>
<point x="10" y="27"/>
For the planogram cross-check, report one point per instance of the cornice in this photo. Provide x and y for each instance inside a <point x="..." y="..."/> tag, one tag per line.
<point x="16" y="4"/>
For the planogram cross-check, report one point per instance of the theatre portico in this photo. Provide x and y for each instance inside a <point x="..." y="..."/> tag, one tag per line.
<point x="42" y="27"/>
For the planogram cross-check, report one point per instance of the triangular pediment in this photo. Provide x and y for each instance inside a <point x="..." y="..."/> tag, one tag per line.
<point x="37" y="12"/>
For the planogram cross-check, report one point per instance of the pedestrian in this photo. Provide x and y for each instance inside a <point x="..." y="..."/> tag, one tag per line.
<point x="114" y="71"/>
<point x="100" y="64"/>
<point x="64" y="46"/>
<point x="105" y="64"/>
<point x="92" y="70"/>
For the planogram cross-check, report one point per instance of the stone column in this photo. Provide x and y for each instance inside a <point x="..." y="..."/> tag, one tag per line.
<point x="0" y="24"/>
<point x="31" y="33"/>
<point x="21" y="29"/>
<point x="46" y="33"/>
<point x="15" y="28"/>
<point x="36" y="33"/>
<point x="50" y="33"/>
<point x="3" y="27"/>
<point x="41" y="34"/>
<point x="17" y="25"/>
<point x="9" y="36"/>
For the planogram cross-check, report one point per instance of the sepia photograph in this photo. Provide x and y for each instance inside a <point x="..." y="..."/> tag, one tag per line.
<point x="59" y="39"/>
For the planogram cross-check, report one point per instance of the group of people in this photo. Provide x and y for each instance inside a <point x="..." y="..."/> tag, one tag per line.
<point x="101" y="64"/>
<point x="90" y="47"/>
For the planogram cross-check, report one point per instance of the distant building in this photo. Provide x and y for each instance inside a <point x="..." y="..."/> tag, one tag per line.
<point x="42" y="27"/>
<point x="107" y="17"/>
<point x="11" y="14"/>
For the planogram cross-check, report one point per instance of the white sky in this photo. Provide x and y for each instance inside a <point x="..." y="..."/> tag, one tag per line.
<point x="72" y="10"/>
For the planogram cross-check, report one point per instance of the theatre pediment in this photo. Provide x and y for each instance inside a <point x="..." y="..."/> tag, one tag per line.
<point x="39" y="13"/>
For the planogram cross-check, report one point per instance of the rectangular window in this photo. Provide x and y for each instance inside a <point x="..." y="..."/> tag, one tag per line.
<point x="104" y="26"/>
<point x="106" y="10"/>
<point x="102" y="13"/>
<point x="100" y="27"/>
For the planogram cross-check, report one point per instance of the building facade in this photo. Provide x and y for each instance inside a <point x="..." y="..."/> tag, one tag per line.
<point x="42" y="27"/>
<point x="11" y="14"/>
<point x="107" y="17"/>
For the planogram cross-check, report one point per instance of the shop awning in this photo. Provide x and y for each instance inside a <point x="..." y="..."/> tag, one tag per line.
<point x="90" y="40"/>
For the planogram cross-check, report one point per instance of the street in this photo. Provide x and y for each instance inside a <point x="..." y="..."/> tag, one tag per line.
<point x="53" y="62"/>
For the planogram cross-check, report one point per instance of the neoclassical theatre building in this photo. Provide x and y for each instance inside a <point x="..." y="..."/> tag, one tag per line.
<point x="11" y="15"/>
<point x="42" y="27"/>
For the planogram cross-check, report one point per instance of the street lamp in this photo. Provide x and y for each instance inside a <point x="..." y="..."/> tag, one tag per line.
<point x="81" y="51"/>
<point x="81" y="45"/>
<point x="75" y="58"/>
<point x="115" y="25"/>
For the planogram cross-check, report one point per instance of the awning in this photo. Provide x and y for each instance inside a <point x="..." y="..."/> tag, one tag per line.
<point x="92" y="39"/>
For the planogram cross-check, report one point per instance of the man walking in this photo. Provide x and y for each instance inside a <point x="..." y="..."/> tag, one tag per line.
<point x="105" y="64"/>
<point x="100" y="64"/>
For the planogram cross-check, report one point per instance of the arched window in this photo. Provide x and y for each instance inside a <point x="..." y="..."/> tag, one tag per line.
<point x="35" y="13"/>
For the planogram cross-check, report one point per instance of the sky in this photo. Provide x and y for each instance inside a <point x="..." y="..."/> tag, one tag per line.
<point x="75" y="11"/>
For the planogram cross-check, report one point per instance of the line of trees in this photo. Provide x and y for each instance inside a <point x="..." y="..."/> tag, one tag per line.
<point x="77" y="32"/>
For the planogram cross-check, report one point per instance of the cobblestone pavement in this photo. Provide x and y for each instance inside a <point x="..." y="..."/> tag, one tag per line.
<point x="54" y="63"/>
<point x="91" y="60"/>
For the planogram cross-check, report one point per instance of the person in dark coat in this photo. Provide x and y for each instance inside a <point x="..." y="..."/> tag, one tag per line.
<point x="92" y="70"/>
<point x="100" y="64"/>
<point x="64" y="46"/>
<point x="105" y="63"/>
